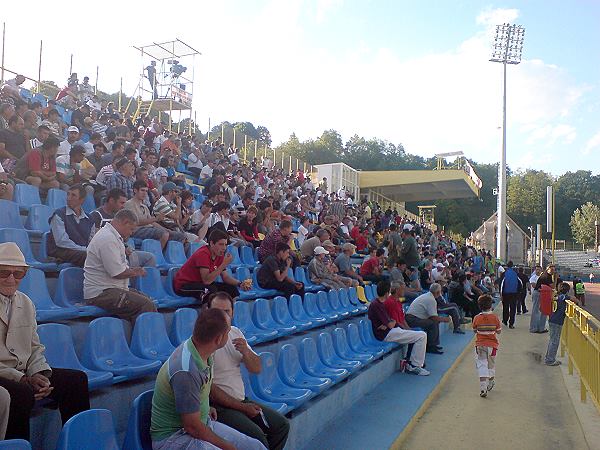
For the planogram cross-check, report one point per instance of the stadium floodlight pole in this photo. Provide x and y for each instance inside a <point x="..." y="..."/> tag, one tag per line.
<point x="506" y="49"/>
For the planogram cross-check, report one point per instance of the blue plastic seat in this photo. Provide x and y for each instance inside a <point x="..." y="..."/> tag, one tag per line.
<point x="325" y="307"/>
<point x="106" y="349"/>
<point x="137" y="436"/>
<point x="60" y="353"/>
<point x="309" y="286"/>
<point x="236" y="262"/>
<point x="345" y="302"/>
<point x="21" y="238"/>
<point x="15" y="444"/>
<point x="193" y="247"/>
<point x="330" y="358"/>
<point x="243" y="273"/>
<point x="26" y="94"/>
<point x="353" y="297"/>
<point x="371" y="292"/>
<point x="34" y="285"/>
<point x="43" y="253"/>
<point x="292" y="374"/>
<point x="149" y="339"/>
<point x="153" y="246"/>
<point x="89" y="430"/>
<point x="175" y="253"/>
<point x="69" y="293"/>
<point x="38" y="219"/>
<point x="183" y="325"/>
<point x="40" y="98"/>
<point x="281" y="314"/>
<point x="312" y="364"/>
<point x="368" y="338"/>
<point x="312" y="310"/>
<point x="57" y="198"/>
<point x="61" y="110"/>
<point x="356" y="344"/>
<point x="26" y="195"/>
<point x="280" y="407"/>
<point x="268" y="385"/>
<point x="261" y="291"/>
<point x="151" y="284"/>
<point x="299" y="315"/>
<point x="89" y="204"/>
<point x="342" y="348"/>
<point x="263" y="318"/>
<point x="170" y="290"/>
<point x="335" y="304"/>
<point x="243" y="320"/>
<point x="10" y="216"/>
<point x="247" y="256"/>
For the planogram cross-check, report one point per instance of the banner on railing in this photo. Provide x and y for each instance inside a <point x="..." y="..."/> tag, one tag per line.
<point x="181" y="96"/>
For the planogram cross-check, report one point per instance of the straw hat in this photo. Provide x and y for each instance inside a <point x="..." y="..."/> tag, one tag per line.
<point x="10" y="255"/>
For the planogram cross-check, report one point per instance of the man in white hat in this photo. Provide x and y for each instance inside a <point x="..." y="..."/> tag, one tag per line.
<point x="72" y="138"/>
<point x="321" y="274"/>
<point x="24" y="372"/>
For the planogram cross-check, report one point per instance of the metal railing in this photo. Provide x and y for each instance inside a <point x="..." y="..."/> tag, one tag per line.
<point x="580" y="340"/>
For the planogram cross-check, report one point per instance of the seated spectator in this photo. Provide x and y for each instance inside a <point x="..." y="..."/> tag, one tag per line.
<point x="199" y="273"/>
<point x="458" y="295"/>
<point x="425" y="277"/>
<point x="69" y="166"/>
<point x="30" y="124"/>
<point x="422" y="313"/>
<point x="453" y="310"/>
<point x="94" y="104"/>
<point x="78" y="116"/>
<point x="273" y="274"/>
<point x="320" y="273"/>
<point x="228" y="394"/>
<point x="41" y="135"/>
<point x="6" y="185"/>
<point x="361" y="241"/>
<point x="168" y="207"/>
<point x="101" y="125"/>
<point x="117" y="152"/>
<point x="387" y="320"/>
<point x="207" y="172"/>
<point x="107" y="274"/>
<point x="371" y="269"/>
<point x="343" y="263"/>
<point x="70" y="229"/>
<point x="24" y="371"/>
<point x="123" y="177"/>
<point x="38" y="166"/>
<point x="7" y="110"/>
<point x="181" y="416"/>
<point x="269" y="244"/>
<point x="13" y="144"/>
<point x="96" y="157"/>
<point x="54" y="123"/>
<point x="194" y="163"/>
<point x="248" y="227"/>
<point x="439" y="274"/>
<point x="307" y="249"/>
<point x="67" y="144"/>
<point x="303" y="230"/>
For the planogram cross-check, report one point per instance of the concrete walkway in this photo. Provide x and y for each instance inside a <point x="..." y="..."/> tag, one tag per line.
<point x="529" y="408"/>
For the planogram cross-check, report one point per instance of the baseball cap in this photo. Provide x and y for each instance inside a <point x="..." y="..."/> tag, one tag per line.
<point x="73" y="129"/>
<point x="328" y="243"/>
<point x="168" y="187"/>
<point x="321" y="251"/>
<point x="440" y="266"/>
<point x="407" y="227"/>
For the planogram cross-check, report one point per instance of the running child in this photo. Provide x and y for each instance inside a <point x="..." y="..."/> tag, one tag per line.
<point x="486" y="326"/>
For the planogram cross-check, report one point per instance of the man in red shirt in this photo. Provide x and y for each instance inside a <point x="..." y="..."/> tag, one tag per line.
<point x="197" y="277"/>
<point x="38" y="166"/>
<point x="371" y="268"/>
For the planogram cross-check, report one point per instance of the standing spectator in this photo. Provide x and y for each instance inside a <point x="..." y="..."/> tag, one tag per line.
<point x="273" y="274"/>
<point x="24" y="371"/>
<point x="198" y="275"/>
<point x="393" y="328"/>
<point x="107" y="274"/>
<point x="228" y="393"/>
<point x="371" y="270"/>
<point x="510" y="285"/>
<point x="486" y="327"/>
<point x="38" y="166"/>
<point x="422" y="313"/>
<point x="555" y="324"/>
<point x="524" y="288"/>
<point x="409" y="252"/>
<point x="551" y="279"/>
<point x="123" y="177"/>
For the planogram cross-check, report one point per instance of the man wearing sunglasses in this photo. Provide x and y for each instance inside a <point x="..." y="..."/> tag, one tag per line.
<point x="24" y="372"/>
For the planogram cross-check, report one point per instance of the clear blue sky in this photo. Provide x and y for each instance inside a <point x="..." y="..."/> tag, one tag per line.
<point x="415" y="73"/>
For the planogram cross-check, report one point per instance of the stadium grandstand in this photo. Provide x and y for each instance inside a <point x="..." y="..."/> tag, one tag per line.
<point x="132" y="245"/>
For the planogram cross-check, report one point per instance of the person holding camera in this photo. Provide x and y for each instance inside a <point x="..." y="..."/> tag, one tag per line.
<point x="273" y="274"/>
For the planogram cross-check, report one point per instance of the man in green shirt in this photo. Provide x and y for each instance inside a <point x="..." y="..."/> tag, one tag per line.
<point x="181" y="415"/>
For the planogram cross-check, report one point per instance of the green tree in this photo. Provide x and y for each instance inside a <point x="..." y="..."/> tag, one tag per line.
<point x="264" y="135"/>
<point x="573" y="189"/>
<point x="526" y="197"/>
<point x="583" y="223"/>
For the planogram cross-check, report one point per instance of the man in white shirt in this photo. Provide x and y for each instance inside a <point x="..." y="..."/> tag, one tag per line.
<point x="228" y="395"/>
<point x="422" y="313"/>
<point x="72" y="137"/>
<point x="107" y="274"/>
<point x="207" y="170"/>
<point x="194" y="163"/>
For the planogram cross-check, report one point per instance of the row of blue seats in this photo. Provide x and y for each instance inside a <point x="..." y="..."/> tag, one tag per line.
<point x="297" y="376"/>
<point x="27" y="195"/>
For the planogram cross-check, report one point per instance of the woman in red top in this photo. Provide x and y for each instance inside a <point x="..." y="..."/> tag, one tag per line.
<point x="248" y="227"/>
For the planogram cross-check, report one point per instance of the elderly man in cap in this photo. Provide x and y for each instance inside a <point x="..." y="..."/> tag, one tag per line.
<point x="72" y="138"/>
<point x="321" y="274"/>
<point x="343" y="263"/>
<point x="24" y="372"/>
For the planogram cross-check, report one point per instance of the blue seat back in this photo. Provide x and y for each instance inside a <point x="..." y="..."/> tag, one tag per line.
<point x="89" y="430"/>
<point x="57" y="198"/>
<point x="105" y="340"/>
<point x="325" y="348"/>
<point x="34" y="285"/>
<point x="340" y="342"/>
<point x="69" y="288"/>
<point x="371" y="292"/>
<point x="151" y="283"/>
<point x="262" y="314"/>
<point x="353" y="336"/>
<point x="175" y="253"/>
<point x="296" y="309"/>
<point x="26" y="195"/>
<point x="300" y="275"/>
<point x="310" y="305"/>
<point x="343" y="298"/>
<point x="153" y="246"/>
<point x="10" y="217"/>
<point x="41" y="98"/>
<point x="243" y="274"/>
<point x="268" y="376"/>
<point x="323" y="302"/>
<point x="334" y="301"/>
<point x="288" y="364"/>
<point x="26" y="94"/>
<point x="58" y="340"/>
<point x="353" y="296"/>
<point x="21" y="238"/>
<point x="38" y="218"/>
<point x="183" y="325"/>
<point x="137" y="436"/>
<point x="89" y="204"/>
<point x="193" y="247"/>
<point x="281" y="312"/>
<point x="149" y="338"/>
<point x="247" y="256"/>
<point x="236" y="256"/>
<point x="308" y="355"/>
<point x="241" y="316"/>
<point x="15" y="444"/>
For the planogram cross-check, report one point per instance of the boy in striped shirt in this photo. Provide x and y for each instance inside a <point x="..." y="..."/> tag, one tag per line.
<point x="486" y="326"/>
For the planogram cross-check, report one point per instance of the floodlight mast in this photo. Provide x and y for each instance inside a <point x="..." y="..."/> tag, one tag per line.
<point x="506" y="49"/>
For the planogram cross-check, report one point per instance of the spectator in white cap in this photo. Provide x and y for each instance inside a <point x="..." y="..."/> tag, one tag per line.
<point x="24" y="372"/>
<point x="321" y="274"/>
<point x="439" y="274"/>
<point x="72" y="138"/>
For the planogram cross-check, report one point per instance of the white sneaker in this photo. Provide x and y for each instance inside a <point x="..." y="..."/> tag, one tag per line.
<point x="491" y="384"/>
<point x="417" y="370"/>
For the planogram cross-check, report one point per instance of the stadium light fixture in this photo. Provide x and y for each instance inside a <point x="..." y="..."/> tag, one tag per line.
<point x="507" y="48"/>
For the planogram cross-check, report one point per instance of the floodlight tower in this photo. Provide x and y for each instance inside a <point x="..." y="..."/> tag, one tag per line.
<point x="506" y="49"/>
